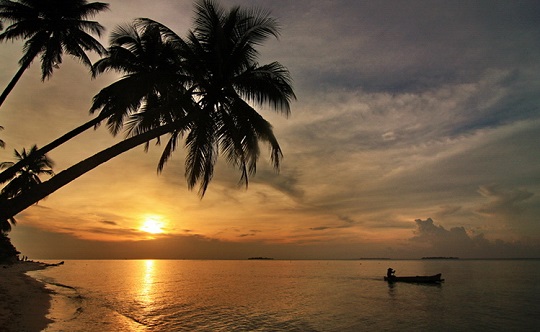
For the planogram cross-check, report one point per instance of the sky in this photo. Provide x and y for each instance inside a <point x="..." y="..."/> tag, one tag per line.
<point x="416" y="132"/>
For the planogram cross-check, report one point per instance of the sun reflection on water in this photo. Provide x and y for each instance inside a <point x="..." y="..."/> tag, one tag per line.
<point x="147" y="282"/>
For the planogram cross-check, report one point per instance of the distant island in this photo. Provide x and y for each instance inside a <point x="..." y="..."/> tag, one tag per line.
<point x="440" y="257"/>
<point x="261" y="258"/>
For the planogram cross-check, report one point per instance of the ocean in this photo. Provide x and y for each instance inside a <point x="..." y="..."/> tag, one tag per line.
<point x="297" y="295"/>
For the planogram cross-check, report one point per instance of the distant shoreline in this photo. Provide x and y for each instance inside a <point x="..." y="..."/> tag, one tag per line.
<point x="261" y="258"/>
<point x="440" y="257"/>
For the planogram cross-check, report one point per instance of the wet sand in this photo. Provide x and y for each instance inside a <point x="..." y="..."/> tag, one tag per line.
<point x="24" y="302"/>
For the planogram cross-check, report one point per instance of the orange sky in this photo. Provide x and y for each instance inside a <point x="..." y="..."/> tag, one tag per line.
<point x="404" y="112"/>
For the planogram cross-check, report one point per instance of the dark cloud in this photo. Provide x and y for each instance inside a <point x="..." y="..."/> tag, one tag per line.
<point x="390" y="224"/>
<point x="320" y="228"/>
<point x="111" y="233"/>
<point x="457" y="242"/>
<point x="47" y="245"/>
<point x="505" y="202"/>
<point x="405" y="46"/>
<point x="347" y="220"/>
<point x="447" y="210"/>
<point x="286" y="182"/>
<point x="108" y="222"/>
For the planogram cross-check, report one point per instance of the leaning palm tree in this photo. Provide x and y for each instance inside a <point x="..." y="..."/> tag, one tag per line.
<point x="4" y="224"/>
<point x="148" y="60"/>
<point x="51" y="28"/>
<point x="218" y="84"/>
<point x="9" y="172"/>
<point x="26" y="179"/>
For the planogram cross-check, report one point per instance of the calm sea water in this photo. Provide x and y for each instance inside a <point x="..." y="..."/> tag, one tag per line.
<point x="275" y="295"/>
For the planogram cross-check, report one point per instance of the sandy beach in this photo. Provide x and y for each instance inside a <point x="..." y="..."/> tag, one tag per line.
<point x="24" y="302"/>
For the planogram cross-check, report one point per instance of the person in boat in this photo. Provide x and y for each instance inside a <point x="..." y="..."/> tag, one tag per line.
<point x="390" y="273"/>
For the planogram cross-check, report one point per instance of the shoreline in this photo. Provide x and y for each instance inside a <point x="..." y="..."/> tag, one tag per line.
<point x="24" y="301"/>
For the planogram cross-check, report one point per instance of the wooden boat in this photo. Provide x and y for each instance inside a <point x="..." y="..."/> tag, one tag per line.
<point x="416" y="279"/>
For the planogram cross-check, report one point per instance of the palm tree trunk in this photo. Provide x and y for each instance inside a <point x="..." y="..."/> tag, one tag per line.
<point x="14" y="81"/>
<point x="9" y="208"/>
<point x="10" y="172"/>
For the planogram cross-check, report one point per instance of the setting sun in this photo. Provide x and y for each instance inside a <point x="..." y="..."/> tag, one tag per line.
<point x="152" y="225"/>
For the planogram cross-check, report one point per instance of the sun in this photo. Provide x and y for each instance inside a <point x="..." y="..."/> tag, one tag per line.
<point x="152" y="225"/>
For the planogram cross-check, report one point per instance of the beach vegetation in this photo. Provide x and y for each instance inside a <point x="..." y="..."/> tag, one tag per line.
<point x="8" y="252"/>
<point x="201" y="92"/>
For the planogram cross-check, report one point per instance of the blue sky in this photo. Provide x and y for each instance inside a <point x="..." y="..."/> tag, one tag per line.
<point x="406" y="111"/>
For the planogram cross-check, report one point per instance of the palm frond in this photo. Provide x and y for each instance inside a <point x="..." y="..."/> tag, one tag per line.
<point x="52" y="28"/>
<point x="201" y="156"/>
<point x="263" y="130"/>
<point x="269" y="84"/>
<point x="169" y="149"/>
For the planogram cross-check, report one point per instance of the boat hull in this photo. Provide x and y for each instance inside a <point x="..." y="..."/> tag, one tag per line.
<point x="416" y="279"/>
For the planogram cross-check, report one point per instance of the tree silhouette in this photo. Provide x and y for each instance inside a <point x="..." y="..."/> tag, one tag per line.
<point x="8" y="253"/>
<point x="25" y="179"/>
<point x="207" y="100"/>
<point x="51" y="28"/>
<point x="125" y="96"/>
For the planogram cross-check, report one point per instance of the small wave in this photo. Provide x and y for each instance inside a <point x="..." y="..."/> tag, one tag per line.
<point x="67" y="303"/>
<point x="62" y="285"/>
<point x="134" y="319"/>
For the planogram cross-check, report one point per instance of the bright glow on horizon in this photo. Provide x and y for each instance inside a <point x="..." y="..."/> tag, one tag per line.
<point x="153" y="225"/>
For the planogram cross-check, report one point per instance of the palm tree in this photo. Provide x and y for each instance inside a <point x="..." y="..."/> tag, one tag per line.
<point x="26" y="179"/>
<point x="150" y="65"/>
<point x="146" y="56"/>
<point x="219" y="61"/>
<point x="51" y="27"/>
<point x="9" y="172"/>
<point x="216" y="78"/>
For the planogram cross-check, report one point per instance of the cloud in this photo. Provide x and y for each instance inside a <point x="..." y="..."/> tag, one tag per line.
<point x="505" y="202"/>
<point x="348" y="220"/>
<point x="438" y="241"/>
<point x="447" y="210"/>
<point x="320" y="228"/>
<point x="114" y="234"/>
<point x="47" y="245"/>
<point x="287" y="183"/>
<point x="107" y="222"/>
<point x="405" y="46"/>
<point x="440" y="150"/>
<point x="344" y="222"/>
